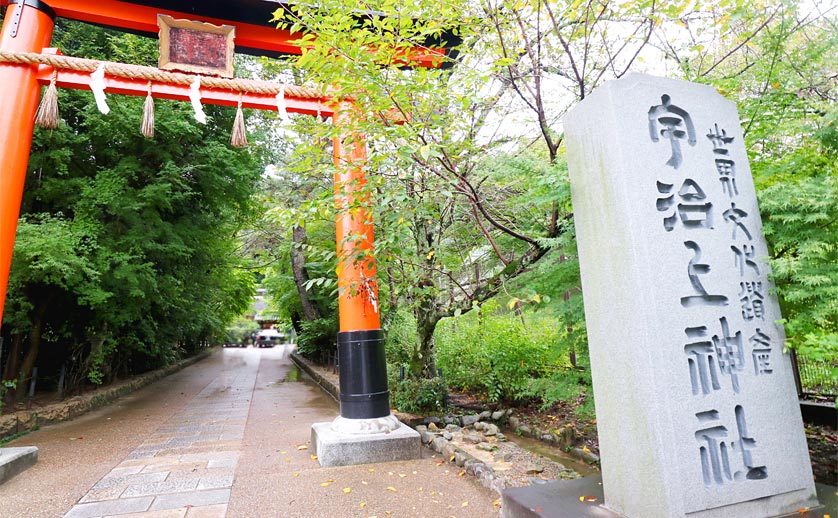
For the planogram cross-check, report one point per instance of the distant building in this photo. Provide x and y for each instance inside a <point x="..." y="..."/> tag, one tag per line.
<point x="260" y="312"/>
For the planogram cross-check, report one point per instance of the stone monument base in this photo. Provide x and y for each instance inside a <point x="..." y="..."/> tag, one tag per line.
<point x="334" y="448"/>
<point x="16" y="460"/>
<point x="583" y="498"/>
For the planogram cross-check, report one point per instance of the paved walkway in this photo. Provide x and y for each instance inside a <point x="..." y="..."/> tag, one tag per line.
<point x="228" y="436"/>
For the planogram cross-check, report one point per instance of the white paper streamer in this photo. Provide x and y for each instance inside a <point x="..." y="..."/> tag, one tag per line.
<point x="97" y="86"/>
<point x="195" y="99"/>
<point x="280" y="104"/>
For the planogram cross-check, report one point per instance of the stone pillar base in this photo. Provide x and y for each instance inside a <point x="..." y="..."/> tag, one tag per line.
<point x="335" y="447"/>
<point x="16" y="460"/>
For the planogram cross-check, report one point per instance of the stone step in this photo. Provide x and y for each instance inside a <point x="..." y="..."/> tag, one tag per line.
<point x="16" y="460"/>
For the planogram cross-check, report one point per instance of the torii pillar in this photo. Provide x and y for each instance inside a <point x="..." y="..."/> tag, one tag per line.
<point x="366" y="431"/>
<point x="27" y="28"/>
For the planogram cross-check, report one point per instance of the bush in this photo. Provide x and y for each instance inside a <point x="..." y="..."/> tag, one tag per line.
<point x="401" y="338"/>
<point x="318" y="337"/>
<point x="419" y="396"/>
<point x="494" y="354"/>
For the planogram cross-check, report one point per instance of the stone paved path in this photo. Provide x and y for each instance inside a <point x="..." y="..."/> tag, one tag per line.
<point x="187" y="466"/>
<point x="227" y="437"/>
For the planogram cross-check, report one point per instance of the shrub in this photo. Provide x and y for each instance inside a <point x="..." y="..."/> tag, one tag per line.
<point x="419" y="396"/>
<point x="318" y="337"/>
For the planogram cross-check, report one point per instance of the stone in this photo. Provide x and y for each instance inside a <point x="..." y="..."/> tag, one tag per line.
<point x="448" y="450"/>
<point x="503" y="456"/>
<point x="471" y="438"/>
<point x="470" y="419"/>
<point x="549" y="438"/>
<point x="339" y="449"/>
<point x="16" y="460"/>
<point x="524" y="430"/>
<point x="534" y="469"/>
<point x="514" y="422"/>
<point x="421" y="428"/>
<point x="438" y="443"/>
<point x="486" y="446"/>
<point x="452" y="428"/>
<point x="479" y="426"/>
<point x="433" y="427"/>
<point x="426" y="437"/>
<point x="447" y="435"/>
<point x="490" y="429"/>
<point x="451" y="419"/>
<point x="500" y="437"/>
<point x="498" y="415"/>
<point x="486" y="414"/>
<point x="697" y="412"/>
<point x="433" y="420"/>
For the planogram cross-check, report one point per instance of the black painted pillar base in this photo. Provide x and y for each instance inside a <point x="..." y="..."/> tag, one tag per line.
<point x="363" y="375"/>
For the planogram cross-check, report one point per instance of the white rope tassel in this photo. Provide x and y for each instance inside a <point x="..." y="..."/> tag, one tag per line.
<point x="195" y="99"/>
<point x="97" y="86"/>
<point x="280" y="105"/>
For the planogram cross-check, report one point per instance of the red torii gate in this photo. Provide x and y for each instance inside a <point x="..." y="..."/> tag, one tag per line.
<point x="27" y="31"/>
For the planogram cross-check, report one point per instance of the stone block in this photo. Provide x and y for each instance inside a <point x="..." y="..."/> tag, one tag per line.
<point x="334" y="449"/>
<point x="697" y="412"/>
<point x="16" y="460"/>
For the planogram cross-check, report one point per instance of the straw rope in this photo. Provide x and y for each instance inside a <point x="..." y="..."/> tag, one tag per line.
<point x="155" y="74"/>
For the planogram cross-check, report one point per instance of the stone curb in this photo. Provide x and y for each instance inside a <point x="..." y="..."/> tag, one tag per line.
<point x="25" y="420"/>
<point x="484" y="473"/>
<point x="327" y="385"/>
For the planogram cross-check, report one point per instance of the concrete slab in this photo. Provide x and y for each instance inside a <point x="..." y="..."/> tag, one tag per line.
<point x="16" y="460"/>
<point x="336" y="449"/>
<point x="583" y="498"/>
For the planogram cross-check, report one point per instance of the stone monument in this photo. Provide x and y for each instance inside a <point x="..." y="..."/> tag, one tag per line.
<point x="696" y="405"/>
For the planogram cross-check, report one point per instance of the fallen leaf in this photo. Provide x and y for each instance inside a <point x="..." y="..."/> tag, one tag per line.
<point x="402" y="475"/>
<point x="283" y="452"/>
<point x="296" y="475"/>
<point x="313" y="457"/>
<point x="538" y="509"/>
<point x="364" y="482"/>
<point x="465" y="504"/>
<point x="302" y="447"/>
<point x="803" y="510"/>
<point x="460" y="474"/>
<point x="497" y="503"/>
<point x="347" y="490"/>
<point x="590" y="498"/>
<point x="452" y="458"/>
<point x="363" y="504"/>
<point x="372" y="471"/>
<point x="287" y="459"/>
<point x="581" y="498"/>
<point x="391" y="488"/>
<point x="325" y="484"/>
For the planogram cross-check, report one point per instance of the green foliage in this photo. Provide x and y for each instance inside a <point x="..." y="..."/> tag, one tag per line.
<point x="318" y="338"/>
<point x="401" y="338"/>
<point x="494" y="353"/>
<point x="125" y="249"/>
<point x="240" y="330"/>
<point x="419" y="395"/>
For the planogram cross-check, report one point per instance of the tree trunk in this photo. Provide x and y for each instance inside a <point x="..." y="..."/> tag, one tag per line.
<point x="32" y="353"/>
<point x="298" y="267"/>
<point x="13" y="362"/>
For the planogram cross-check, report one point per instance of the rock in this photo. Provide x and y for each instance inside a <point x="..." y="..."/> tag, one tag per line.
<point x="497" y="416"/>
<point x="431" y="420"/>
<point x="485" y="446"/>
<point x="470" y="419"/>
<point x="566" y="437"/>
<point x="503" y="456"/>
<point x="421" y="428"/>
<point x="537" y="480"/>
<point x="549" y="438"/>
<point x="448" y="451"/>
<point x="452" y="428"/>
<point x="514" y="422"/>
<point x="427" y="437"/>
<point x="490" y="429"/>
<point x="486" y="414"/>
<point x="479" y="425"/>
<point x="500" y="437"/>
<point x="587" y="456"/>
<point x="534" y="469"/>
<point x="471" y="438"/>
<point x="524" y="430"/>
<point x="447" y="435"/>
<point x="451" y="419"/>
<point x="433" y="427"/>
<point x="460" y="458"/>
<point x="438" y="443"/>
